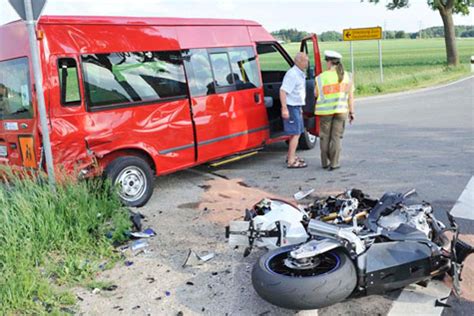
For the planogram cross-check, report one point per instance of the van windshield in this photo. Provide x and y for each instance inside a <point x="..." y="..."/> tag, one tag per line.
<point x="15" y="96"/>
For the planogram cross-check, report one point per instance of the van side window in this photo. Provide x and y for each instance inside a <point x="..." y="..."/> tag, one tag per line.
<point x="199" y="72"/>
<point x="15" y="95"/>
<point x="69" y="82"/>
<point x="133" y="77"/>
<point x="271" y="59"/>
<point x="244" y="67"/>
<point x="221" y="69"/>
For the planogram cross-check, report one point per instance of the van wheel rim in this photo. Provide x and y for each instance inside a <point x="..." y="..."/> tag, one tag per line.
<point x="132" y="183"/>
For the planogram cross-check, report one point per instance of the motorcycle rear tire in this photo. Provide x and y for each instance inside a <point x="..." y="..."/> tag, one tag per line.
<point x="309" y="292"/>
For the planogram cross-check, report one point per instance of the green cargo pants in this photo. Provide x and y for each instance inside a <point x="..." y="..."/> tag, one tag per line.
<point x="331" y="130"/>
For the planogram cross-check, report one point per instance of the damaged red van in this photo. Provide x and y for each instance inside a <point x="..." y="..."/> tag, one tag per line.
<point x="139" y="97"/>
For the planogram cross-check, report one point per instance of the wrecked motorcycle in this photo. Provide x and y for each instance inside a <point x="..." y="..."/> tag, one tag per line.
<point x="345" y="246"/>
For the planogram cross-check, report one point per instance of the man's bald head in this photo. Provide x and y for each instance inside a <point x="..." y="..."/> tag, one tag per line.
<point x="301" y="60"/>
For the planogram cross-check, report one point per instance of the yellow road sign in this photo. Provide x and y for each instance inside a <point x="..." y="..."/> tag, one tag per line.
<point x="362" y="34"/>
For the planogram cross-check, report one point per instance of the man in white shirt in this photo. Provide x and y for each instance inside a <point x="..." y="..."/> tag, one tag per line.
<point x="292" y="97"/>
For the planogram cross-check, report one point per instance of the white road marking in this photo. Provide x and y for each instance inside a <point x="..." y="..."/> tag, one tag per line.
<point x="418" y="300"/>
<point x="464" y="207"/>
<point x="312" y="312"/>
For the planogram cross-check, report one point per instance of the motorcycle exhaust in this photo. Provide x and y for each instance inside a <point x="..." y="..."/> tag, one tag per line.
<point x="319" y="228"/>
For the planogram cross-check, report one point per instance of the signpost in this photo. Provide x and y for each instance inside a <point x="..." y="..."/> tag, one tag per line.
<point x="30" y="11"/>
<point x="364" y="34"/>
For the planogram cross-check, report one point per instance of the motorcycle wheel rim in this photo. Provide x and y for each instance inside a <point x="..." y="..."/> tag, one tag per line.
<point x="329" y="262"/>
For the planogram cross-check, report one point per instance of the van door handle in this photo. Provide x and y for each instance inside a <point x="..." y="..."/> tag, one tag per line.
<point x="257" y="97"/>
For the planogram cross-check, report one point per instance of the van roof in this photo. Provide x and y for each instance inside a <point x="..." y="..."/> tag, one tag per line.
<point x="121" y="20"/>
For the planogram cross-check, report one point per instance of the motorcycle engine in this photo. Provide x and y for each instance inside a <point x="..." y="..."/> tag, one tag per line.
<point x="413" y="215"/>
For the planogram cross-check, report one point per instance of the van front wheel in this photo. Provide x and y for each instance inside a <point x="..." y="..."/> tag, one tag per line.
<point x="307" y="140"/>
<point x="134" y="178"/>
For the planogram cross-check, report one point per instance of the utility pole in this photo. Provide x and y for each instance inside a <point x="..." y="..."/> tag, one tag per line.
<point x="420" y="27"/>
<point x="30" y="12"/>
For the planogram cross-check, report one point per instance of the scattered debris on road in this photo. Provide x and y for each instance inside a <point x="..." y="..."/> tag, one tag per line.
<point x="194" y="259"/>
<point x="147" y="233"/>
<point x="302" y="194"/>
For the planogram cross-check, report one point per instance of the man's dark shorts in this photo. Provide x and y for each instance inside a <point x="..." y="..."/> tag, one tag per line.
<point x="295" y="124"/>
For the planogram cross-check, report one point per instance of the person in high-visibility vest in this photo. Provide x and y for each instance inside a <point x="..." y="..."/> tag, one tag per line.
<point x="334" y="92"/>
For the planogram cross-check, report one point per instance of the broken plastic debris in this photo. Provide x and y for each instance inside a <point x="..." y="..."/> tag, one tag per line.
<point x="128" y="263"/>
<point x="167" y="293"/>
<point x="139" y="245"/>
<point x="96" y="291"/>
<point x="194" y="259"/>
<point x="302" y="194"/>
<point x="147" y="233"/>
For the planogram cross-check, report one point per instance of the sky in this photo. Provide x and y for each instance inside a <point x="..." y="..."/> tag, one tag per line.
<point x="307" y="15"/>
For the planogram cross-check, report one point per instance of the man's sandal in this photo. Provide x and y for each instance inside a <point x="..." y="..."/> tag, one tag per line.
<point x="297" y="158"/>
<point x="297" y="164"/>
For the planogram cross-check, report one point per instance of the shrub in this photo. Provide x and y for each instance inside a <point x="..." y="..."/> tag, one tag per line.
<point x="51" y="239"/>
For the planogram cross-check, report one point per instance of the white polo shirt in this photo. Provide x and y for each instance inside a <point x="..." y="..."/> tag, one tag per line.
<point x="294" y="84"/>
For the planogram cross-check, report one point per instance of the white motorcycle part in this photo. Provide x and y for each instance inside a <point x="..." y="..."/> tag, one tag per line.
<point x="413" y="215"/>
<point x="281" y="226"/>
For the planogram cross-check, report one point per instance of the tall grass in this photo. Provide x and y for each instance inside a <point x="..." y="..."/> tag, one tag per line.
<point x="52" y="240"/>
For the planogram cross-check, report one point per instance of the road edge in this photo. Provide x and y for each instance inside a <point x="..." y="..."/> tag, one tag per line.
<point x="403" y="93"/>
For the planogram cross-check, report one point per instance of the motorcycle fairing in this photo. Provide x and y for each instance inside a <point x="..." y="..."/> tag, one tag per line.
<point x="393" y="265"/>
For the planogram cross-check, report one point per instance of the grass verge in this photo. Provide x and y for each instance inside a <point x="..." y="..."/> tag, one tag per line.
<point x="51" y="241"/>
<point x="407" y="64"/>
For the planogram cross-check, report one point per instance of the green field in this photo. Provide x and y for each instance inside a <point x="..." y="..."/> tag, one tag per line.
<point x="407" y="63"/>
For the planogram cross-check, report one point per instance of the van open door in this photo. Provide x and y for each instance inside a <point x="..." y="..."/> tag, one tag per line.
<point x="309" y="45"/>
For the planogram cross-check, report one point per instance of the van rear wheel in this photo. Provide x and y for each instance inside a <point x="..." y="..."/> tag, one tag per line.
<point x="307" y="141"/>
<point x="134" y="178"/>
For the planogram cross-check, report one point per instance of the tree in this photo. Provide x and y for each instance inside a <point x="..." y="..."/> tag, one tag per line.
<point x="446" y="9"/>
<point x="400" y="34"/>
<point x="330" y="36"/>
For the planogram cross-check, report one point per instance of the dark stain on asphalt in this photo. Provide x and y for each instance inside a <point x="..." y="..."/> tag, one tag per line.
<point x="205" y="187"/>
<point x="192" y="205"/>
<point x="242" y="183"/>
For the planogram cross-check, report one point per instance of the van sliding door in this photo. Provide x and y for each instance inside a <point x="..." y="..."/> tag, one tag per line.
<point x="226" y="99"/>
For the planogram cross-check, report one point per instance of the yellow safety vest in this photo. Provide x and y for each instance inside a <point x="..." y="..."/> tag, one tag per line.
<point x="333" y="96"/>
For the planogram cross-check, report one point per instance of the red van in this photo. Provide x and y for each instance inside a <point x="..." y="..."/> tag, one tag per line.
<point x="138" y="97"/>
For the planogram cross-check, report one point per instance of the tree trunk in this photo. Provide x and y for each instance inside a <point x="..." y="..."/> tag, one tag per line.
<point x="449" y="36"/>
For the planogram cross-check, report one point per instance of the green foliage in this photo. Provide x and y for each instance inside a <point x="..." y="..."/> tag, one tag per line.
<point x="438" y="31"/>
<point x="401" y="34"/>
<point x="53" y="240"/>
<point x="330" y="36"/>
<point x="458" y="6"/>
<point x="468" y="33"/>
<point x="290" y="35"/>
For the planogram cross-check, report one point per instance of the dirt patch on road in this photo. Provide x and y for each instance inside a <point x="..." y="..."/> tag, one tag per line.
<point x="226" y="200"/>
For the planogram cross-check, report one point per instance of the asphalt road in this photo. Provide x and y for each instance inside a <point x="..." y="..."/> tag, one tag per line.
<point x="422" y="140"/>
